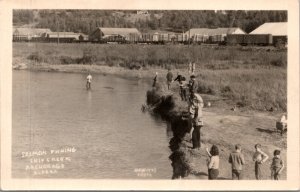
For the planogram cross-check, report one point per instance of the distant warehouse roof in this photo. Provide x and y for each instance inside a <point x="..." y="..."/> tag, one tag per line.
<point x="30" y="31"/>
<point x="64" y="35"/>
<point x="119" y="31"/>
<point x="102" y="32"/>
<point x="276" y="29"/>
<point x="216" y="31"/>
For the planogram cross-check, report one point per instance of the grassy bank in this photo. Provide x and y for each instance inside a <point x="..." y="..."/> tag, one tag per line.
<point x="250" y="77"/>
<point x="175" y="56"/>
<point x="222" y="127"/>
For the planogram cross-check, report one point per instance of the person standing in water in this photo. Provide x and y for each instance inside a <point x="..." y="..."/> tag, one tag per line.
<point x="88" y="81"/>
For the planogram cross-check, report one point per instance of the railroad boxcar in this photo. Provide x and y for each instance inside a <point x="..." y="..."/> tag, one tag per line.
<point x="249" y="39"/>
<point x="155" y="37"/>
<point x="200" y="38"/>
<point x="179" y="38"/>
<point x="163" y="37"/>
<point x="114" y="39"/>
<point x="133" y="38"/>
<point x="279" y="40"/>
<point x="146" y="38"/>
<point x="217" y="39"/>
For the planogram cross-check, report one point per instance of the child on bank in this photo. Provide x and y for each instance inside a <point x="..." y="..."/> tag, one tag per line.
<point x="277" y="166"/>
<point x="213" y="162"/>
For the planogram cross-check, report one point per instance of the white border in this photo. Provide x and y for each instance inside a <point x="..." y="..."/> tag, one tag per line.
<point x="292" y="182"/>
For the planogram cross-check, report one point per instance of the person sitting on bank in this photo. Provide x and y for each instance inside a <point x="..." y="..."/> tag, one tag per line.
<point x="183" y="86"/>
<point x="213" y="162"/>
<point x="88" y="81"/>
<point x="169" y="78"/>
<point x="196" y="118"/>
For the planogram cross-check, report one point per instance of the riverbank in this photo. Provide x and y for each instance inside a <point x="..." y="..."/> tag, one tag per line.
<point x="223" y="128"/>
<point x="254" y="78"/>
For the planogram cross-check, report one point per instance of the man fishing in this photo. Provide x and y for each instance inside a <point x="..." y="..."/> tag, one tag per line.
<point x="88" y="81"/>
<point x="193" y="86"/>
<point x="196" y="118"/>
<point x="182" y="85"/>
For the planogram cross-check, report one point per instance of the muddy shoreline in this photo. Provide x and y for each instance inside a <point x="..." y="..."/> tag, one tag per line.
<point x="166" y="105"/>
<point x="222" y="127"/>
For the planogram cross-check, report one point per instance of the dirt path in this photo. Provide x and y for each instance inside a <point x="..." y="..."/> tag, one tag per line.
<point x="225" y="128"/>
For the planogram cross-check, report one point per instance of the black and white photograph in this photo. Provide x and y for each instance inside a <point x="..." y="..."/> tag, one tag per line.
<point x="144" y="94"/>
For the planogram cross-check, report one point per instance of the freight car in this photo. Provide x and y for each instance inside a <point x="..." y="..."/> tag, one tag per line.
<point x="199" y="39"/>
<point x="249" y="39"/>
<point x="217" y="39"/>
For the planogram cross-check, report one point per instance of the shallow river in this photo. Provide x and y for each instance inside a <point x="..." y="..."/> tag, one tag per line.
<point x="61" y="130"/>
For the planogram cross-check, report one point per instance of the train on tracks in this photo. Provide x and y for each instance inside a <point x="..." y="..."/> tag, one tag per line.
<point x="169" y="38"/>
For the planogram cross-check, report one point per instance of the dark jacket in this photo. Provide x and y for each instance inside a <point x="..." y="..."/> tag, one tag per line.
<point x="169" y="76"/>
<point x="193" y="86"/>
<point x="237" y="160"/>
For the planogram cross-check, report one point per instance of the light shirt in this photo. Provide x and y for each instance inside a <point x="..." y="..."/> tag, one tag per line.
<point x="259" y="156"/>
<point x="214" y="162"/>
<point x="89" y="78"/>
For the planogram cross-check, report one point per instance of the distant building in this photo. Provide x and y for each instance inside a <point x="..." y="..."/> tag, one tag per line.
<point x="215" y="31"/>
<point x="65" y="37"/>
<point x="103" y="33"/>
<point x="83" y="37"/>
<point x="209" y="35"/>
<point x="29" y="34"/>
<point x="277" y="29"/>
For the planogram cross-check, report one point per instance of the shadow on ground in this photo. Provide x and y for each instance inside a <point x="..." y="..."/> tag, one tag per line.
<point x="270" y="131"/>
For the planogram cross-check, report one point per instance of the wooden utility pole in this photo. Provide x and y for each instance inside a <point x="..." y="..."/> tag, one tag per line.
<point x="57" y="29"/>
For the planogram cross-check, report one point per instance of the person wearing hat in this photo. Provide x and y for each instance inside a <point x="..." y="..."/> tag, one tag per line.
<point x="193" y="85"/>
<point x="196" y="118"/>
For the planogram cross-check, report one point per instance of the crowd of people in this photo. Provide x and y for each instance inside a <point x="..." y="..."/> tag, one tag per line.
<point x="188" y="92"/>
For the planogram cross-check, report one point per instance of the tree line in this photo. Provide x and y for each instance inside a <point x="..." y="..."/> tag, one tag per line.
<point x="86" y="21"/>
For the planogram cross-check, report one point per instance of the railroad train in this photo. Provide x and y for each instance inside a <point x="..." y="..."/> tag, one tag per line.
<point x="166" y="38"/>
<point x="175" y="38"/>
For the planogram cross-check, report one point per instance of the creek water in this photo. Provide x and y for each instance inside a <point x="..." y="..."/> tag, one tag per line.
<point x="62" y="130"/>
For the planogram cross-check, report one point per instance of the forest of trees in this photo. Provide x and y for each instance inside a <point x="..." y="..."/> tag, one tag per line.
<point x="86" y="21"/>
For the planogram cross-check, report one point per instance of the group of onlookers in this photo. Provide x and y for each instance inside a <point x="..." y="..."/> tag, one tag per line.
<point x="237" y="160"/>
